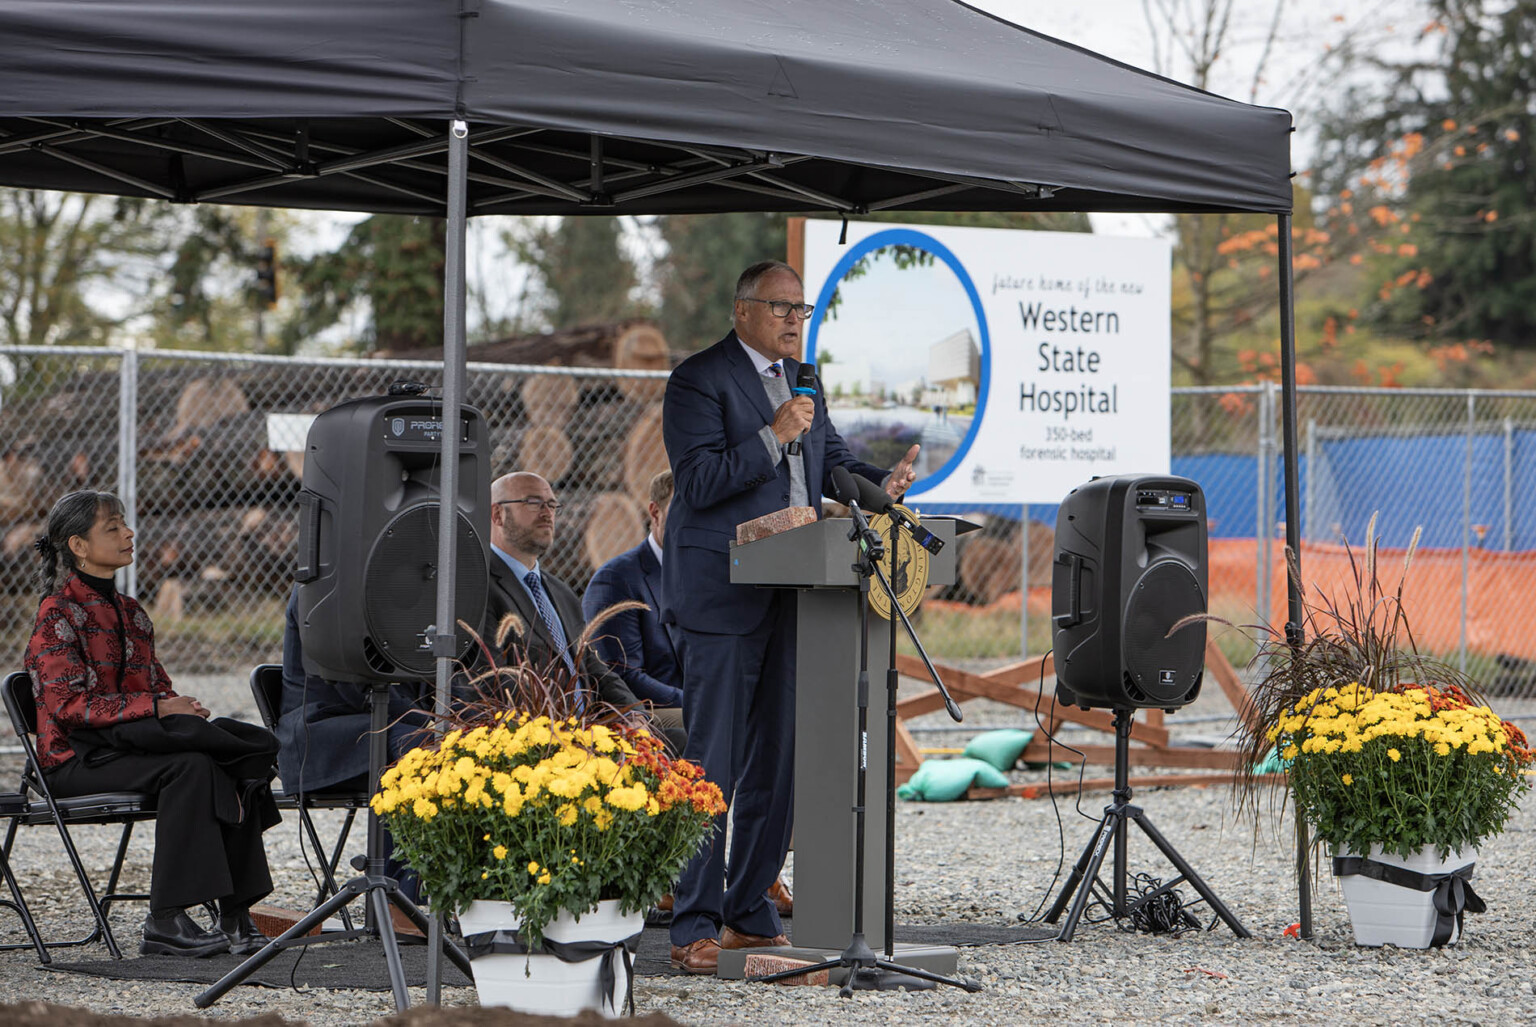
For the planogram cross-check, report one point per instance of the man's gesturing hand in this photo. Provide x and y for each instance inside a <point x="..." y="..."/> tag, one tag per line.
<point x="792" y="418"/>
<point x="902" y="475"/>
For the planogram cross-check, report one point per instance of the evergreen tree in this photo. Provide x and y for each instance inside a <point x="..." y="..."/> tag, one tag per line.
<point x="584" y="274"/>
<point x="1435" y="166"/>
<point x="392" y="262"/>
<point x="696" y="276"/>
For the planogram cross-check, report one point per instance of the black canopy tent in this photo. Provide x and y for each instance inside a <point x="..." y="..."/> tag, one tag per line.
<point x="644" y="107"/>
<point x="454" y="108"/>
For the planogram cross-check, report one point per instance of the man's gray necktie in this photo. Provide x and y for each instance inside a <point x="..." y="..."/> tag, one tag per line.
<point x="777" y="389"/>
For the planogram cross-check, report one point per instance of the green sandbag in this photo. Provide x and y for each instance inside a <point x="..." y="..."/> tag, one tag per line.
<point x="1272" y="764"/>
<point x="947" y="780"/>
<point x="1001" y="748"/>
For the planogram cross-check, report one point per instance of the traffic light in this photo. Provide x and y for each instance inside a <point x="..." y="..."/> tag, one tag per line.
<point x="266" y="274"/>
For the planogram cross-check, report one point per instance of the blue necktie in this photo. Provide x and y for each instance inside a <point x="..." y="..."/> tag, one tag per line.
<point x="551" y="621"/>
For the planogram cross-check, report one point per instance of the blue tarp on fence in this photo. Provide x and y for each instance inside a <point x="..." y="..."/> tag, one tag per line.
<point x="1408" y="482"/>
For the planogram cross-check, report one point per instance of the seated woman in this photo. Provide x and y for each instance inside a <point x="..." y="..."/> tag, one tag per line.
<point x="108" y="720"/>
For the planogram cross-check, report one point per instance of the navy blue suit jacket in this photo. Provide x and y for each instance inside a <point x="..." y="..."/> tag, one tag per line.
<point x="323" y="728"/>
<point x="634" y="642"/>
<point x="723" y="475"/>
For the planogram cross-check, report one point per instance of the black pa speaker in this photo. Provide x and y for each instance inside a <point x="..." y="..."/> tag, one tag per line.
<point x="1129" y="564"/>
<point x="368" y="537"/>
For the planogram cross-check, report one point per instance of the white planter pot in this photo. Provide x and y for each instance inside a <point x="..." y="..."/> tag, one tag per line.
<point x="543" y="983"/>
<point x="1388" y="914"/>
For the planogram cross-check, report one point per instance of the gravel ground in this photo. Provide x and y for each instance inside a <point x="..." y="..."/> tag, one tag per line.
<point x="986" y="862"/>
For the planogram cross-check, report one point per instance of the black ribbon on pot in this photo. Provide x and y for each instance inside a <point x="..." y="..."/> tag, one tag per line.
<point x="1453" y="891"/>
<point x="512" y="943"/>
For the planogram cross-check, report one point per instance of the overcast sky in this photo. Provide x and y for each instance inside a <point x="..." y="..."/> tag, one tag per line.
<point x="1296" y="75"/>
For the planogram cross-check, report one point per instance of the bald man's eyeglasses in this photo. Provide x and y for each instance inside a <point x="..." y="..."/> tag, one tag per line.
<point x="552" y="505"/>
<point x="781" y="308"/>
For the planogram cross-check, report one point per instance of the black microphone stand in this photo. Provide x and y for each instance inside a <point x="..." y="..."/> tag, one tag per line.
<point x="866" y="970"/>
<point x="891" y="679"/>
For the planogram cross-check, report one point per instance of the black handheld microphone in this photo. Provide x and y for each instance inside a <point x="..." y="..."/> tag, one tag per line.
<point x="875" y="500"/>
<point x="805" y="385"/>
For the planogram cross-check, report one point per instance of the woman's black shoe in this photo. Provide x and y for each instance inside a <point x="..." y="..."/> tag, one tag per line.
<point x="243" y="934"/>
<point x="179" y="935"/>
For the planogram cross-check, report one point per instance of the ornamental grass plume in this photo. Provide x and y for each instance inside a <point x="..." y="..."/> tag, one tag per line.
<point x="544" y="802"/>
<point x="1381" y="745"/>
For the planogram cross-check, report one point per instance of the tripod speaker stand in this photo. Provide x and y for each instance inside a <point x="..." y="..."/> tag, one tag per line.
<point x="1112" y="828"/>
<point x="374" y="886"/>
<point x="867" y="971"/>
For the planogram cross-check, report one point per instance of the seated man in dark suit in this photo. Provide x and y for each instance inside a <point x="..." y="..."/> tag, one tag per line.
<point x="523" y="510"/>
<point x="633" y="642"/>
<point x="323" y="732"/>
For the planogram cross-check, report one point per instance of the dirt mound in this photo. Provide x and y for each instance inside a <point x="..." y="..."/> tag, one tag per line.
<point x="43" y="1014"/>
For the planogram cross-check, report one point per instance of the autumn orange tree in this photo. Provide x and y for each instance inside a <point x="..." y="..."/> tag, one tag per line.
<point x="1430" y="177"/>
<point x="1225" y="293"/>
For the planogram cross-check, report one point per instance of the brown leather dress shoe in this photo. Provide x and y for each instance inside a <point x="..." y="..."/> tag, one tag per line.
<point x="730" y="938"/>
<point x="783" y="899"/>
<point x="698" y="957"/>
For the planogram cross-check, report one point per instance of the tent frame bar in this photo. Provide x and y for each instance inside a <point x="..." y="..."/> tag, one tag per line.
<point x="1291" y="456"/>
<point x="283" y="159"/>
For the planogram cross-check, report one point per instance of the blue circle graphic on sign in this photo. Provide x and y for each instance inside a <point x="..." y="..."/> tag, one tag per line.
<point x="944" y="396"/>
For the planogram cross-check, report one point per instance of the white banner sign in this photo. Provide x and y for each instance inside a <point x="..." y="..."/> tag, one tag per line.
<point x="1024" y="362"/>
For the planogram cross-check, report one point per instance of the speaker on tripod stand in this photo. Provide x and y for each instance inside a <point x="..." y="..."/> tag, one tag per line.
<point x="368" y="524"/>
<point x="1130" y="565"/>
<point x="367" y="604"/>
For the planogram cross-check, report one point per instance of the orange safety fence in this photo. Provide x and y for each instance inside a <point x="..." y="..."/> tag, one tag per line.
<point x="1500" y="617"/>
<point x="1501" y="587"/>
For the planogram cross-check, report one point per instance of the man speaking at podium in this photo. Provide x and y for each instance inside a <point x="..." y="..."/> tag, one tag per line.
<point x="742" y="445"/>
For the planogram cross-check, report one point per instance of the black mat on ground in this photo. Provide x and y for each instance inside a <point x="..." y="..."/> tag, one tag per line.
<point x="360" y="964"/>
<point x="348" y="964"/>
<point x="655" y="955"/>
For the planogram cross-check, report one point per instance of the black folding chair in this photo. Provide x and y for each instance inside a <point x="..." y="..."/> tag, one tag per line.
<point x="13" y="805"/>
<point x="118" y="808"/>
<point x="267" y="690"/>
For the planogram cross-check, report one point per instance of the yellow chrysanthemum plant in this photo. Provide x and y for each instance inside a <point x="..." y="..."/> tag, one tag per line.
<point x="1408" y="768"/>
<point x="545" y="803"/>
<point x="1378" y="743"/>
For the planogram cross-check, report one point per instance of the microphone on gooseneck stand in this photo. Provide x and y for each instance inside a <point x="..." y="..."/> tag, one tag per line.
<point x="874" y="499"/>
<point x="846" y="491"/>
<point x="805" y="385"/>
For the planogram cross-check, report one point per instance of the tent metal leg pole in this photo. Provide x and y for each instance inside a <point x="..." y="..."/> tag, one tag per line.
<point x="454" y="359"/>
<point x="1293" y="622"/>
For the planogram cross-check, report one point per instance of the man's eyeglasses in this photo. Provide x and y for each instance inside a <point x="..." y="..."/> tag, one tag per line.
<point x="781" y="308"/>
<point x="552" y="505"/>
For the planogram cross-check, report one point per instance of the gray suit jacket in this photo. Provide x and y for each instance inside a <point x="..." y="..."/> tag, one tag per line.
<point x="509" y="596"/>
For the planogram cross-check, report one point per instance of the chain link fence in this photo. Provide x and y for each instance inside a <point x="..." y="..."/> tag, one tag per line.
<point x="207" y="450"/>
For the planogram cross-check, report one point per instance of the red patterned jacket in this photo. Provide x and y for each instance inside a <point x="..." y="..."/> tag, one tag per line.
<point x="82" y="674"/>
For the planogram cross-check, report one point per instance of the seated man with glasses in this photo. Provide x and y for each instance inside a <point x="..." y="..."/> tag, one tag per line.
<point x="523" y="508"/>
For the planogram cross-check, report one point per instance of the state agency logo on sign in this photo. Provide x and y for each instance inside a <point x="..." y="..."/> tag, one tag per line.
<point x="1023" y="362"/>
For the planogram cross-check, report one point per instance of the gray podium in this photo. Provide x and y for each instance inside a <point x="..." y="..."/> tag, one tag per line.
<point x="817" y="560"/>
